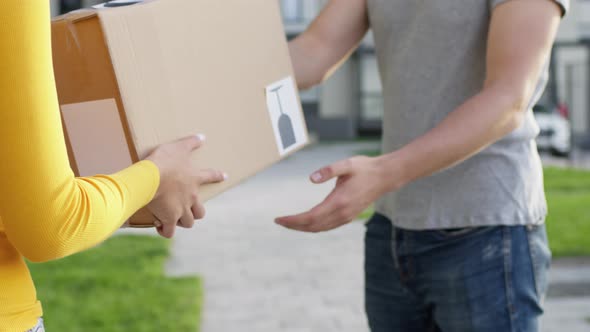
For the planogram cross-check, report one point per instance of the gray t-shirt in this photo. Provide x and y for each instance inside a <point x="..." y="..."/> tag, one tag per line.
<point x="431" y="56"/>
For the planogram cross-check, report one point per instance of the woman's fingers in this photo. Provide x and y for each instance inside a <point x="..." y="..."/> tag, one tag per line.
<point x="187" y="220"/>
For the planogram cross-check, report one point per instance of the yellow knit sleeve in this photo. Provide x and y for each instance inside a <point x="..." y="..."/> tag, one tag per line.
<point x="48" y="213"/>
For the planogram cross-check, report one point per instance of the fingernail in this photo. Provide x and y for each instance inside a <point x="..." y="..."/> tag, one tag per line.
<point x="225" y="176"/>
<point x="317" y="176"/>
<point x="201" y="137"/>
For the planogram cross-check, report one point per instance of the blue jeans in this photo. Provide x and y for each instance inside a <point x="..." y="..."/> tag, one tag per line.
<point x="488" y="279"/>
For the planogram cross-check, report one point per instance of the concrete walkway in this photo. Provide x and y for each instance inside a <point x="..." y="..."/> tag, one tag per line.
<point x="259" y="277"/>
<point x="568" y="305"/>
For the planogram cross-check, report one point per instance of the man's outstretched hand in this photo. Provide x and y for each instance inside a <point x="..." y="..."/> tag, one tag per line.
<point x="360" y="182"/>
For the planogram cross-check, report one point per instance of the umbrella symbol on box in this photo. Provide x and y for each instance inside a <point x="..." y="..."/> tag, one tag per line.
<point x="285" y="124"/>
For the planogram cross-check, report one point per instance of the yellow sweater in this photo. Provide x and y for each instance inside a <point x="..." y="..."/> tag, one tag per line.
<point x="46" y="213"/>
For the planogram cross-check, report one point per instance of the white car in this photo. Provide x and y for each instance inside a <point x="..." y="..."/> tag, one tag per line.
<point x="555" y="135"/>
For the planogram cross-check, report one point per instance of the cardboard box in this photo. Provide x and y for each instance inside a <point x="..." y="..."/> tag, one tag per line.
<point x="130" y="78"/>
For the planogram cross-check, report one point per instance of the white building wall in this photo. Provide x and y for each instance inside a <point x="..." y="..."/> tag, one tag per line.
<point x="569" y="30"/>
<point x="572" y="85"/>
<point x="571" y="65"/>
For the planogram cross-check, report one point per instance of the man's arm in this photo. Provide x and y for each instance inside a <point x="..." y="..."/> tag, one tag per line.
<point x="332" y="36"/>
<point x="519" y="43"/>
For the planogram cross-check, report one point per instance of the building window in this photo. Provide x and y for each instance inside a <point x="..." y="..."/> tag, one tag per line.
<point x="293" y="10"/>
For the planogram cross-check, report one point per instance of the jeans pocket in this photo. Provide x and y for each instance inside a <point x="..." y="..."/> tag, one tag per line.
<point x="540" y="257"/>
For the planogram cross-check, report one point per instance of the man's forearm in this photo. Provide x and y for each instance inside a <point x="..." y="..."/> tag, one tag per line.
<point x="478" y="123"/>
<point x="307" y="61"/>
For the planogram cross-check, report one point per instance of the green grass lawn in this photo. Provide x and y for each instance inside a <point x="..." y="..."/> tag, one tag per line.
<point x="568" y="222"/>
<point x="118" y="286"/>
